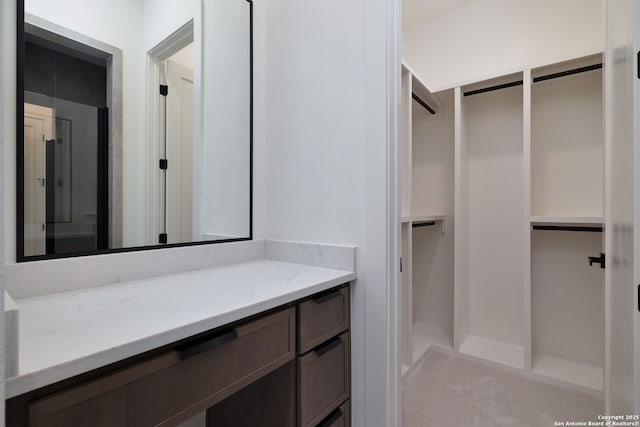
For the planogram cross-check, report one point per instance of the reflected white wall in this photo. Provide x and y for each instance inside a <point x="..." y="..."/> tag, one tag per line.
<point x="163" y="17"/>
<point x="226" y="119"/>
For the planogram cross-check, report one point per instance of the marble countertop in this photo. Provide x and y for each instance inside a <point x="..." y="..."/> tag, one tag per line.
<point x="66" y="334"/>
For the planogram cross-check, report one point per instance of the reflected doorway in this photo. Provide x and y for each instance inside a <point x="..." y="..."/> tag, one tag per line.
<point x="65" y="150"/>
<point x="174" y="147"/>
<point x="178" y="72"/>
<point x="37" y="128"/>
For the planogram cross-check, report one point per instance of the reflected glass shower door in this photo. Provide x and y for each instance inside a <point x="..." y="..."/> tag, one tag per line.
<point x="66" y="150"/>
<point x="66" y="192"/>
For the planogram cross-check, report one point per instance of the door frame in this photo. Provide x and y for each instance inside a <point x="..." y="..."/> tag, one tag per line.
<point x="156" y="58"/>
<point x="179" y="206"/>
<point x="636" y="143"/>
<point x="32" y="113"/>
<point x="621" y="102"/>
<point x="61" y="36"/>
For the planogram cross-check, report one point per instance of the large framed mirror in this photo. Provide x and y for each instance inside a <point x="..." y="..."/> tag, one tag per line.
<point x="134" y="125"/>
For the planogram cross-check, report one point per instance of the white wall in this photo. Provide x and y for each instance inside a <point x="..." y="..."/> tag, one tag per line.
<point x="111" y="22"/>
<point x="327" y="126"/>
<point x="163" y="17"/>
<point x="315" y="122"/>
<point x="260" y="186"/>
<point x="488" y="38"/>
<point x="226" y="128"/>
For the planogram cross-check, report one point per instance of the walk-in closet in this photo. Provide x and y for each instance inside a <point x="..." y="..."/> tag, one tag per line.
<point x="521" y="158"/>
<point x="503" y="233"/>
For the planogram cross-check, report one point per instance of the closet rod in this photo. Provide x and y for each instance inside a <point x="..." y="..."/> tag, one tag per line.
<point x="423" y="224"/>
<point x="424" y="104"/>
<point x="568" y="72"/>
<point x="491" y="88"/>
<point x="536" y="79"/>
<point x="568" y="228"/>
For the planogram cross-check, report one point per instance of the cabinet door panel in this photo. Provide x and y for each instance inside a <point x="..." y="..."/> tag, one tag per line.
<point x="323" y="380"/>
<point x="165" y="390"/>
<point x="322" y="317"/>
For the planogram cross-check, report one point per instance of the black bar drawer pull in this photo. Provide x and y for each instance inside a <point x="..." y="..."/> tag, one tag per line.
<point x="331" y="418"/>
<point x="193" y="348"/>
<point x="327" y="296"/>
<point x="328" y="346"/>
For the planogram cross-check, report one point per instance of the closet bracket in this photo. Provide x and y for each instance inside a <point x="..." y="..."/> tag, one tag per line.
<point x="597" y="260"/>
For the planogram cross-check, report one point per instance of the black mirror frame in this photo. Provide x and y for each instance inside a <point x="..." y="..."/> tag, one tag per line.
<point x="20" y="257"/>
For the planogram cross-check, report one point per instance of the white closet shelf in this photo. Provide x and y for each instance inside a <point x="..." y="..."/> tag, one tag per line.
<point x="493" y="350"/>
<point x="568" y="370"/>
<point x="425" y="335"/>
<point x="567" y="220"/>
<point x="405" y="219"/>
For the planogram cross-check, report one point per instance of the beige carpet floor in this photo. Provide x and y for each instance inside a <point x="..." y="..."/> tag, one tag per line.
<point x="448" y="389"/>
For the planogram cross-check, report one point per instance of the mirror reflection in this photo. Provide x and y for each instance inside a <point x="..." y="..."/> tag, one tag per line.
<point x="136" y="125"/>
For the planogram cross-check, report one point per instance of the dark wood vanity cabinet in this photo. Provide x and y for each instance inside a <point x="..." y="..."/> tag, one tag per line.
<point x="171" y="387"/>
<point x="318" y="392"/>
<point x="341" y="417"/>
<point x="289" y="367"/>
<point x="322" y="317"/>
<point x="324" y="356"/>
<point x="323" y="380"/>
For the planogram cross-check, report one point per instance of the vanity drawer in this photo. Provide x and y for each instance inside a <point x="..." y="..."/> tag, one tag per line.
<point x="322" y="317"/>
<point x="341" y="417"/>
<point x="323" y="380"/>
<point x="167" y="389"/>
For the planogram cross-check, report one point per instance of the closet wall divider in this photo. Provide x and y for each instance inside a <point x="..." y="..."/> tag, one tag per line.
<point x="526" y="214"/>
<point x="567" y="197"/>
<point x="461" y="251"/>
<point x="506" y="178"/>
<point x="426" y="157"/>
<point x="492" y="139"/>
<point x="404" y="156"/>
